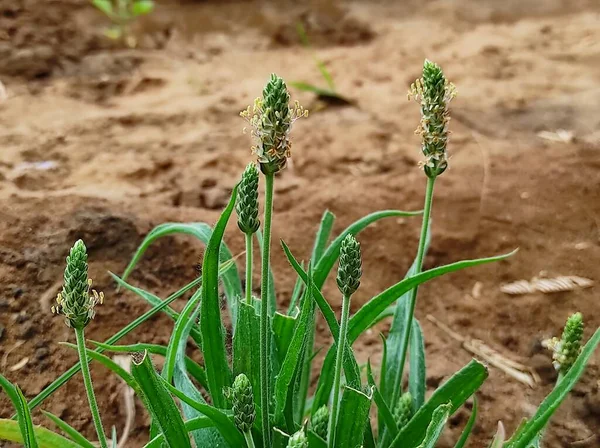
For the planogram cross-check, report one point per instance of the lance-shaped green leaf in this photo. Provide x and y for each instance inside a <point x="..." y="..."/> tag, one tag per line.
<point x="109" y="364"/>
<point x="283" y="332"/>
<point x="417" y="375"/>
<point x="352" y="418"/>
<point x="61" y="380"/>
<point x="10" y="431"/>
<point x="23" y="414"/>
<point x="527" y="433"/>
<point x="293" y="357"/>
<point x="222" y="421"/>
<point x="383" y="411"/>
<point x="195" y="369"/>
<point x="158" y="402"/>
<point x="211" y="326"/>
<point x="436" y="426"/>
<point x="231" y="280"/>
<point x="73" y="434"/>
<point x="191" y="425"/>
<point x="362" y="320"/>
<point x="454" y="392"/>
<point x="468" y="427"/>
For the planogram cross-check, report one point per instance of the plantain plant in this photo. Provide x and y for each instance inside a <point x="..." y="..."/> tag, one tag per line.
<point x="122" y="13"/>
<point x="256" y="394"/>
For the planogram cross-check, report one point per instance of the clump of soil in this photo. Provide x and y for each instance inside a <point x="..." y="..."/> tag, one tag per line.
<point x="103" y="143"/>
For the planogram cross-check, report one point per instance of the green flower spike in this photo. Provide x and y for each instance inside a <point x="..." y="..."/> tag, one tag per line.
<point x="77" y="300"/>
<point x="247" y="202"/>
<point x="319" y="422"/>
<point x="298" y="440"/>
<point x="434" y="93"/>
<point x="403" y="411"/>
<point x="271" y="118"/>
<point x="243" y="403"/>
<point x="566" y="349"/>
<point x="349" y="271"/>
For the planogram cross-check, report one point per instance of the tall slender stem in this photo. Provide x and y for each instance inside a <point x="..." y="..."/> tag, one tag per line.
<point x="264" y="313"/>
<point x="248" y="268"/>
<point x="87" y="381"/>
<point x="249" y="441"/>
<point x="338" y="369"/>
<point x="413" y="294"/>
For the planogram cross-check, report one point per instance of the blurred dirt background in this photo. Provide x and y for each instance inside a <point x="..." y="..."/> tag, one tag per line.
<point x="102" y="143"/>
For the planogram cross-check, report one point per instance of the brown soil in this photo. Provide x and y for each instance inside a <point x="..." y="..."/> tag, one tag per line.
<point x="139" y="137"/>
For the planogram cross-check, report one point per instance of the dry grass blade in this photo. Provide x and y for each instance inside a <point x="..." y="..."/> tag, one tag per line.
<point x="561" y="283"/>
<point x="514" y="369"/>
<point x="128" y="394"/>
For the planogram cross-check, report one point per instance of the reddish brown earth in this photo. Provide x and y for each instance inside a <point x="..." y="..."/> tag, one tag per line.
<point x="139" y="137"/>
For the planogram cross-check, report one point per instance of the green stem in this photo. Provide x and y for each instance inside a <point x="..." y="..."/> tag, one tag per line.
<point x="249" y="268"/>
<point x="87" y="380"/>
<point x="249" y="441"/>
<point x="338" y="369"/>
<point x="264" y="313"/>
<point x="413" y="294"/>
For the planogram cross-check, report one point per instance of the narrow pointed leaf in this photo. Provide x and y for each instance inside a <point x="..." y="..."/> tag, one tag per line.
<point x="454" y="392"/>
<point x="246" y="346"/>
<point x="23" y="414"/>
<point x="222" y="421"/>
<point x="436" y="426"/>
<point x="73" y="434"/>
<point x="232" y="285"/>
<point x="10" y="431"/>
<point x="283" y="331"/>
<point x="272" y="295"/>
<point x="468" y="427"/>
<point x="211" y="326"/>
<point x="191" y="425"/>
<point x="383" y="411"/>
<point x="159" y="402"/>
<point x="352" y="418"/>
<point x="417" y="376"/>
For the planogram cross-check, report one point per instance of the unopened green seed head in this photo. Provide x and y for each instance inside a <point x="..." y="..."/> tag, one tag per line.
<point x="350" y="266"/>
<point x="243" y="403"/>
<point x="434" y="93"/>
<point x="247" y="201"/>
<point x="403" y="411"/>
<point x="298" y="440"/>
<point x="77" y="300"/>
<point x="319" y="422"/>
<point x="271" y="119"/>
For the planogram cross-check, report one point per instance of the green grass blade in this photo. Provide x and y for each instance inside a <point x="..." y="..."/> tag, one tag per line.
<point x="352" y="418"/>
<point x="159" y="402"/>
<point x="108" y="363"/>
<point x="113" y="439"/>
<point x="436" y="426"/>
<point x="142" y="7"/>
<point x="211" y="326"/>
<point x="320" y="64"/>
<point x="499" y="437"/>
<point x="61" y="380"/>
<point x="73" y="434"/>
<point x="180" y="333"/>
<point x="232" y="285"/>
<point x="23" y="414"/>
<point x="417" y="375"/>
<point x="468" y="427"/>
<point x="195" y="369"/>
<point x="153" y="301"/>
<point x="454" y="392"/>
<point x="383" y="411"/>
<point x="395" y="336"/>
<point x="528" y="432"/>
<point x="325" y="264"/>
<point x="293" y="357"/>
<point x="382" y="383"/>
<point x="370" y="310"/>
<point x="221" y="420"/>
<point x="369" y="441"/>
<point x="322" y="236"/>
<point x="10" y="431"/>
<point x="283" y="332"/>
